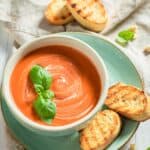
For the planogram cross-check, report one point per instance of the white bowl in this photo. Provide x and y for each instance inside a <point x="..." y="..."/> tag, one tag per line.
<point x="42" y="42"/>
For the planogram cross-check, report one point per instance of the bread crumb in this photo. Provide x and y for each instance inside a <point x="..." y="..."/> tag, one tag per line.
<point x="147" y="49"/>
<point x="133" y="28"/>
<point x="132" y="147"/>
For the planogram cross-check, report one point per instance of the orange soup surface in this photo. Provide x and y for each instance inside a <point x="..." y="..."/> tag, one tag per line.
<point x="76" y="83"/>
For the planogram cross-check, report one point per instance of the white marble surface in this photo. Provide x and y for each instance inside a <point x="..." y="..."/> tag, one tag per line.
<point x="7" y="142"/>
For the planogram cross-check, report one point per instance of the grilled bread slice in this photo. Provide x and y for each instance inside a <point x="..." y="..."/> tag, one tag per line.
<point x="89" y="13"/>
<point x="128" y="100"/>
<point x="57" y="12"/>
<point x="101" y="131"/>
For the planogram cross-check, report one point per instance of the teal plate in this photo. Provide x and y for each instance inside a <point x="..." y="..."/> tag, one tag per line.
<point x="120" y="68"/>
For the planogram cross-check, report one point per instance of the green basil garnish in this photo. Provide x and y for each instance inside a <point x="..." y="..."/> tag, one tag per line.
<point x="38" y="88"/>
<point x="125" y="36"/>
<point x="43" y="105"/>
<point x="48" y="94"/>
<point x="121" y="41"/>
<point x="45" y="108"/>
<point x="40" y="77"/>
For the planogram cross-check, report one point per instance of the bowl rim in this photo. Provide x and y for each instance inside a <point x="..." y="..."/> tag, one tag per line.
<point x="24" y="119"/>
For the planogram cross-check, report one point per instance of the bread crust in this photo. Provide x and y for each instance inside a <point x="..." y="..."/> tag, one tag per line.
<point x="146" y="115"/>
<point x="57" y="13"/>
<point x="101" y="131"/>
<point x="89" y="13"/>
<point x="129" y="101"/>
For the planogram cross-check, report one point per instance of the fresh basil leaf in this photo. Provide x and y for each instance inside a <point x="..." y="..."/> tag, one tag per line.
<point x="121" y="41"/>
<point x="45" y="108"/>
<point x="48" y="94"/>
<point x="47" y="80"/>
<point x="38" y="88"/>
<point x="40" y="78"/>
<point x="127" y="35"/>
<point x="36" y="75"/>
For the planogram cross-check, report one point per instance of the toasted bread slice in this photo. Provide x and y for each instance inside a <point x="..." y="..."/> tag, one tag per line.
<point x="101" y="131"/>
<point x="89" y="13"/>
<point x="57" y="12"/>
<point x="127" y="100"/>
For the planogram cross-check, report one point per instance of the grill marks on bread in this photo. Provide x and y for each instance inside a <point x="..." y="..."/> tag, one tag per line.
<point x="90" y="13"/>
<point x="57" y="12"/>
<point x="101" y="131"/>
<point x="128" y="101"/>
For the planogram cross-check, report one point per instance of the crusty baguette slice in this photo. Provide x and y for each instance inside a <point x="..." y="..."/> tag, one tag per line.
<point x="101" y="131"/>
<point x="89" y="13"/>
<point x="127" y="100"/>
<point x="57" y="12"/>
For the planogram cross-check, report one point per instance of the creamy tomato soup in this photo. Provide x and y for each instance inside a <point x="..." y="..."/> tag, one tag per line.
<point x="76" y="83"/>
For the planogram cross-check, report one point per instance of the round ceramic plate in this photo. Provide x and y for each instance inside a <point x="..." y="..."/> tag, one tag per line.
<point x="120" y="68"/>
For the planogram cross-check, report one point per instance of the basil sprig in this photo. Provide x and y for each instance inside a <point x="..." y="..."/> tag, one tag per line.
<point x="126" y="36"/>
<point x="43" y="105"/>
<point x="45" y="109"/>
<point x="40" y="78"/>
